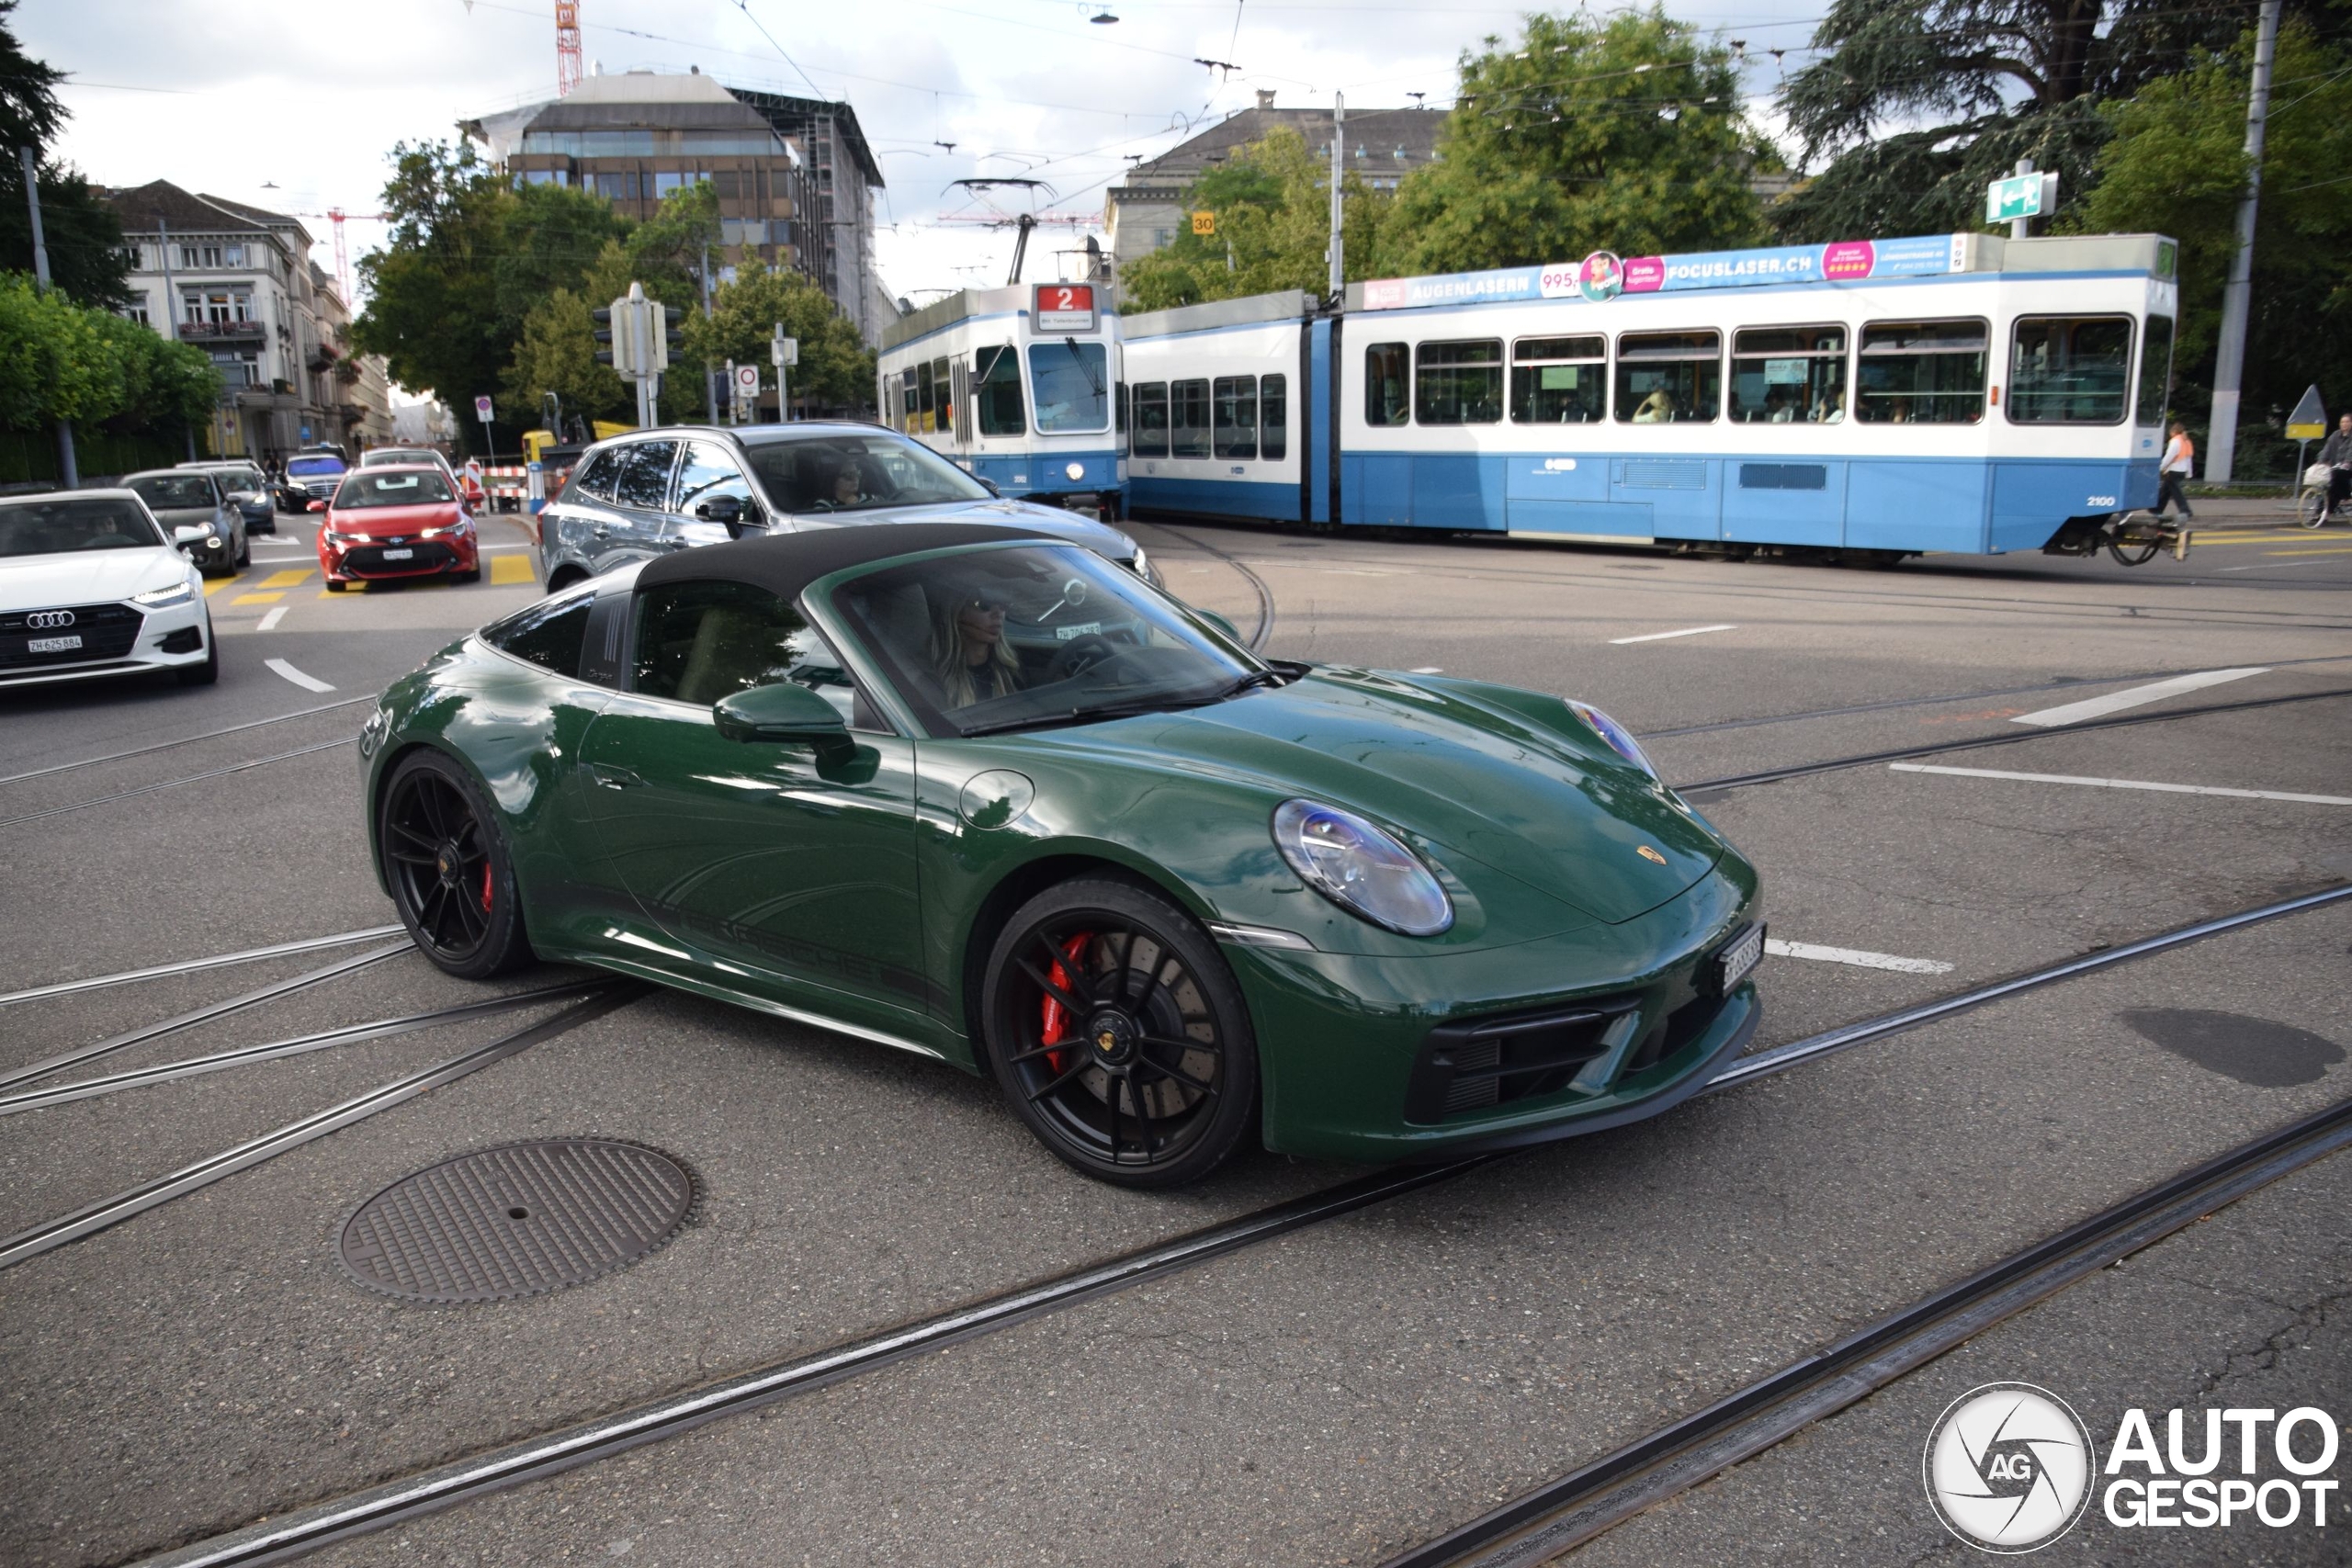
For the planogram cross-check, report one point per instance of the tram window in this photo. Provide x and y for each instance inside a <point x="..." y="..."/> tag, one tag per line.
<point x="1234" y="410"/>
<point x="1558" y="380"/>
<point x="1668" y="378"/>
<point x="1387" y="378"/>
<point x="907" y="412"/>
<point x="1788" y="376"/>
<point x="999" y="388"/>
<point x="923" y="410"/>
<point x="1151" y="419"/>
<point x="1274" y="417"/>
<point x="1188" y="419"/>
<point x="1458" y="383"/>
<point x="1071" y="381"/>
<point x="2156" y="369"/>
<point x="1921" y="373"/>
<point x="2069" y="370"/>
<point x="943" y="381"/>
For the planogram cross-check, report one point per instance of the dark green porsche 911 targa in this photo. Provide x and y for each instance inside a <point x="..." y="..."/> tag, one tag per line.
<point x="987" y="796"/>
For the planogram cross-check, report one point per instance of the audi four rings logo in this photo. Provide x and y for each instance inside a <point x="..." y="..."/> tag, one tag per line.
<point x="49" y="620"/>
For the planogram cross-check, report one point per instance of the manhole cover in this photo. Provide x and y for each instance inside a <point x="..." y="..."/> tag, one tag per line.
<point x="518" y="1220"/>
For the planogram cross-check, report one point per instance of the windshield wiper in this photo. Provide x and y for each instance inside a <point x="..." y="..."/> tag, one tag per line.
<point x="1130" y="709"/>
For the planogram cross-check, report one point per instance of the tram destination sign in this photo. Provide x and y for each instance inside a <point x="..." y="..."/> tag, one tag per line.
<point x="1601" y="276"/>
<point x="1064" y="308"/>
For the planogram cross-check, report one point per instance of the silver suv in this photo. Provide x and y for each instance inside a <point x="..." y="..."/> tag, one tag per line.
<point x="652" y="491"/>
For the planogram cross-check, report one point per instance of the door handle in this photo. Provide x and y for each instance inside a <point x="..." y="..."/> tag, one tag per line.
<point x="614" y="778"/>
<point x="603" y="530"/>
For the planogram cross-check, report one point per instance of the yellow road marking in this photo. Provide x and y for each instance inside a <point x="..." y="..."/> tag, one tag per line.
<point x="2330" y="550"/>
<point x="214" y="585"/>
<point x="2208" y="536"/>
<point x="256" y="598"/>
<point x="286" y="578"/>
<point x="511" y="569"/>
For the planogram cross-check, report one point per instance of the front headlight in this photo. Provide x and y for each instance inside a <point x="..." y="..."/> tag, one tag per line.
<point x="165" y="598"/>
<point x="1361" y="869"/>
<point x="1620" y="739"/>
<point x="331" y="538"/>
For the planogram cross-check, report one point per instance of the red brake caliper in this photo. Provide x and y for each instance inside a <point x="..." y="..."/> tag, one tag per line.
<point x="1058" y="1021"/>
<point x="485" y="887"/>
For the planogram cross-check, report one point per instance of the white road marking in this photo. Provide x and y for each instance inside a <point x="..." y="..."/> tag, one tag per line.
<point x="1661" y="637"/>
<point x="1855" y="956"/>
<point x="308" y="683"/>
<point x="269" y="622"/>
<point x="2124" y="783"/>
<point x="2133" y="696"/>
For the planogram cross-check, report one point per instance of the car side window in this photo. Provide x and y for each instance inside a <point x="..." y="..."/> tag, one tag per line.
<point x="644" y="481"/>
<point x="596" y="478"/>
<point x="710" y="474"/>
<point x="698" y="642"/>
<point x="550" y="634"/>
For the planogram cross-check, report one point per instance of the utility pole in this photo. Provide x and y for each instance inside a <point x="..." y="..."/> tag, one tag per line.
<point x="2229" y="362"/>
<point x="709" y="389"/>
<point x="1339" y="233"/>
<point x="65" y="463"/>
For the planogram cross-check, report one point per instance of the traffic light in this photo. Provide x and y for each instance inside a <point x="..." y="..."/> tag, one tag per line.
<point x="602" y="317"/>
<point x="673" y="338"/>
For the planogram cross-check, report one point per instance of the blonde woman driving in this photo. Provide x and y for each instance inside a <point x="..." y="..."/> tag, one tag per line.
<point x="971" y="659"/>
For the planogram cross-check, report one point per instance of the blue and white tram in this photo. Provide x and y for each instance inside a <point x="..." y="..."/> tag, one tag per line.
<point x="1963" y="393"/>
<point x="1020" y="386"/>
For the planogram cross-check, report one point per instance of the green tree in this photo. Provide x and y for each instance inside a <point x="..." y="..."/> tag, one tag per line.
<point x="1920" y="103"/>
<point x="1272" y="211"/>
<point x="2174" y="164"/>
<point x="1623" y="132"/>
<point x="836" y="369"/>
<point x="557" y="353"/>
<point x="81" y="232"/>
<point x="60" y="360"/>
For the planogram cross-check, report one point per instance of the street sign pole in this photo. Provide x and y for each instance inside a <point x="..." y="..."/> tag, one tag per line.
<point x="783" y="353"/>
<point x="2306" y="424"/>
<point x="489" y="440"/>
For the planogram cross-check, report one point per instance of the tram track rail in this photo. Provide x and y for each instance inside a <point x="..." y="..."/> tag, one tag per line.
<point x="1566" y="1512"/>
<point x="302" y="1530"/>
<point x="24" y="816"/>
<point x="196" y="965"/>
<point x="205" y="1014"/>
<point x="297" y="1046"/>
<point x="1971" y="743"/>
<point x="184" y="740"/>
<point x="1265" y="627"/>
<point x="92" y="1218"/>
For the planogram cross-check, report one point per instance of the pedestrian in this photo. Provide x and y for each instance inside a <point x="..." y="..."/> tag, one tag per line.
<point x="2173" y="474"/>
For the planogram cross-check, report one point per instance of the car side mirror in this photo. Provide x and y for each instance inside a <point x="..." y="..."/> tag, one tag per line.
<point x="728" y="511"/>
<point x="190" y="533"/>
<point x="786" y="711"/>
<point x="1220" y="623"/>
<point x="989" y="485"/>
<point x="316" y="506"/>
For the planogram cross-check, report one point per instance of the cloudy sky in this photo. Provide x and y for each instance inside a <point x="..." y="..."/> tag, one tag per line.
<point x="294" y="103"/>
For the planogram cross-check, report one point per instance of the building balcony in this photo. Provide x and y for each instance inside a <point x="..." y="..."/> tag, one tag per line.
<point x="223" y="332"/>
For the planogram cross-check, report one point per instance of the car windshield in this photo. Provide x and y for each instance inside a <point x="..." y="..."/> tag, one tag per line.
<point x="55" y="527"/>
<point x="1072" y="386"/>
<point x="167" y="492"/>
<point x="394" y="487"/>
<point x="1026" y="635"/>
<point x="856" y="473"/>
<point x="305" y="468"/>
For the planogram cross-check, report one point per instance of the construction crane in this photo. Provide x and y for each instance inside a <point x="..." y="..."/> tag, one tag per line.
<point x="567" y="47"/>
<point x="335" y="216"/>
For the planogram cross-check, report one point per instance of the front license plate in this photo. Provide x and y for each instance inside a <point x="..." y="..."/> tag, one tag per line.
<point x="52" y="645"/>
<point x="1733" y="962"/>
<point x="399" y="555"/>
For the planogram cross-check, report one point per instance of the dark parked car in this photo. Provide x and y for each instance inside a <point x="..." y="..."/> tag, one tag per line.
<point x="195" y="498"/>
<point x="248" y="487"/>
<point x="654" y="491"/>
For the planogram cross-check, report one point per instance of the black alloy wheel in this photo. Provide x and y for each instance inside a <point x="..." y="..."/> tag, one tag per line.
<point x="1120" y="1036"/>
<point x="448" y="870"/>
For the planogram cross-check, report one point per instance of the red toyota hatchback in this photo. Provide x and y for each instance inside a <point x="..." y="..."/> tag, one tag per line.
<point x="389" y="522"/>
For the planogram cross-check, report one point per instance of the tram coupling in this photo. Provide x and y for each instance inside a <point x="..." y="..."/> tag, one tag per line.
<point x="2134" y="539"/>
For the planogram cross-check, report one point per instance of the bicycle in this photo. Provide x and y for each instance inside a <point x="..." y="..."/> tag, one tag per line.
<point x="2312" y="507"/>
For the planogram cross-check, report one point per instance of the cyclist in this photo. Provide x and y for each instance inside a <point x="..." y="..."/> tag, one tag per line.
<point x="2336" y="453"/>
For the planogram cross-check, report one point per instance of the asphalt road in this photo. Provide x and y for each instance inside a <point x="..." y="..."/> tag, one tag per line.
<point x="1353" y="1388"/>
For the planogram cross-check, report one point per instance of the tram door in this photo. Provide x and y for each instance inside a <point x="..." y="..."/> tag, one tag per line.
<point x="959" y="377"/>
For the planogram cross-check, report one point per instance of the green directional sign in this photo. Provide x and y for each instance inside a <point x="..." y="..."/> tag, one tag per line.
<point x="2022" y="195"/>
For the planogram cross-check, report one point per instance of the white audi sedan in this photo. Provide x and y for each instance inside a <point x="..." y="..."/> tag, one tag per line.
<point x="91" y="585"/>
